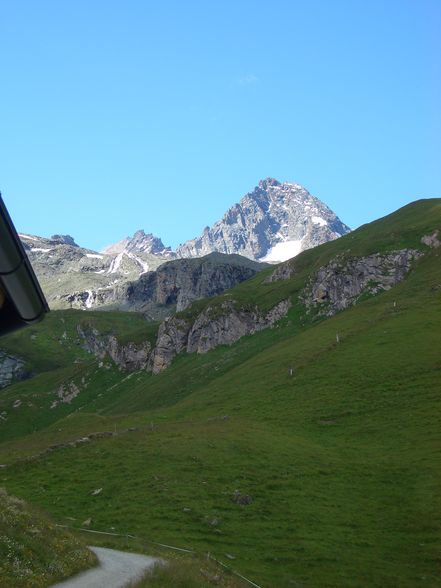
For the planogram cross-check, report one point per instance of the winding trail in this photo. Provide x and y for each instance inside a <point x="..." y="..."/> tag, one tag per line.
<point x="116" y="569"/>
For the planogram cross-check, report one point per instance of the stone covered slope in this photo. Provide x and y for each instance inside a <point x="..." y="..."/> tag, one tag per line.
<point x="274" y="222"/>
<point x="174" y="285"/>
<point x="74" y="277"/>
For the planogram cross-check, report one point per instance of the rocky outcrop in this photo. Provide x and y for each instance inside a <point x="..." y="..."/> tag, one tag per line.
<point x="172" y="339"/>
<point x="65" y="394"/>
<point x="130" y="357"/>
<point x="272" y="223"/>
<point x="63" y="240"/>
<point x="12" y="369"/>
<point x="140" y="242"/>
<point x="432" y="240"/>
<point x="182" y="281"/>
<point x="214" y="326"/>
<point x="226" y="325"/>
<point x="284" y="271"/>
<point x="342" y="281"/>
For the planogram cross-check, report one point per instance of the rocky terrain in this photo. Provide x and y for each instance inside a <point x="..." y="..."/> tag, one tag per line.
<point x="11" y="369"/>
<point x="333" y="288"/>
<point x="274" y="222"/>
<point x="178" y="283"/>
<point x="173" y="286"/>
<point x="140" y="243"/>
<point x="129" y="357"/>
<point x="341" y="282"/>
<point x="75" y="277"/>
<point x="211" y="328"/>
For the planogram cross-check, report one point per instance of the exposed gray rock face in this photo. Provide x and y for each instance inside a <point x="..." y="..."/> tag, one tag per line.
<point x="432" y="240"/>
<point x="230" y="325"/>
<point x="12" y="369"/>
<point x="284" y="271"/>
<point x="73" y="277"/>
<point x="182" y="281"/>
<point x="172" y="339"/>
<point x="211" y="328"/>
<point x="66" y="393"/>
<point x="339" y="284"/>
<point x="272" y="223"/>
<point x="140" y="243"/>
<point x="63" y="240"/>
<point x="130" y="357"/>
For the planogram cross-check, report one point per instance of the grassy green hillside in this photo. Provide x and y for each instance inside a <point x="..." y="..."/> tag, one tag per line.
<point x="329" y="477"/>
<point x="33" y="551"/>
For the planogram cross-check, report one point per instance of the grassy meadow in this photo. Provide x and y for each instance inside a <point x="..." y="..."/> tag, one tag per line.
<point x="329" y="477"/>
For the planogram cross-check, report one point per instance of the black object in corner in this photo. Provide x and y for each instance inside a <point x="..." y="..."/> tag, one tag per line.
<point x="22" y="301"/>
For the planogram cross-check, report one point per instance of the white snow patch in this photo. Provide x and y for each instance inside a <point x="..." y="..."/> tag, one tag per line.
<point x="283" y="251"/>
<point x="33" y="249"/>
<point x="94" y="256"/>
<point x="142" y="263"/>
<point x="89" y="299"/>
<point x="116" y="262"/>
<point x="27" y="237"/>
<point x="318" y="220"/>
<point x="100" y="272"/>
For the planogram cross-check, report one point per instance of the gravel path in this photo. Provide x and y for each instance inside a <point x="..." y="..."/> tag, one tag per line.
<point x="116" y="570"/>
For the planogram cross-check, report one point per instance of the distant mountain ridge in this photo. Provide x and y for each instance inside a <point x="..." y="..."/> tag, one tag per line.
<point x="273" y="223"/>
<point x="140" y="242"/>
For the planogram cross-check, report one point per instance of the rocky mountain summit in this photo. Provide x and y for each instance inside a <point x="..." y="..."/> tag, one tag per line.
<point x="273" y="223"/>
<point x="140" y="242"/>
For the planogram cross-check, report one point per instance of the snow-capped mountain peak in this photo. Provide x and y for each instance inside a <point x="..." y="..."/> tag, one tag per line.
<point x="274" y="222"/>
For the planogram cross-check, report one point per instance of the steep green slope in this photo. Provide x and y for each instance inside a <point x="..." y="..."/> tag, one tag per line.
<point x="340" y="456"/>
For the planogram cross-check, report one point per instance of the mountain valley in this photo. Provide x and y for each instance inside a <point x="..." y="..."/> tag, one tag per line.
<point x="283" y="418"/>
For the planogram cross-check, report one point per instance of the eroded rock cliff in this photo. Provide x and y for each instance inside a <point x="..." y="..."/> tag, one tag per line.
<point x="341" y="282"/>
<point x="129" y="356"/>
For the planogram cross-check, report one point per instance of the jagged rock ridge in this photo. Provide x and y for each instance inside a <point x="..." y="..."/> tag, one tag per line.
<point x="274" y="222"/>
<point x="140" y="242"/>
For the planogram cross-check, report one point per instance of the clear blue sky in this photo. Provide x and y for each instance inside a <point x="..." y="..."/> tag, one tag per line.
<point x="160" y="115"/>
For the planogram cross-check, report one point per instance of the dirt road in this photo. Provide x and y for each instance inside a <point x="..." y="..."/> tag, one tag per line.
<point x="115" y="570"/>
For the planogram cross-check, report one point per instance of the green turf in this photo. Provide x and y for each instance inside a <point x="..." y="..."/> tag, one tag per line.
<point x="341" y="459"/>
